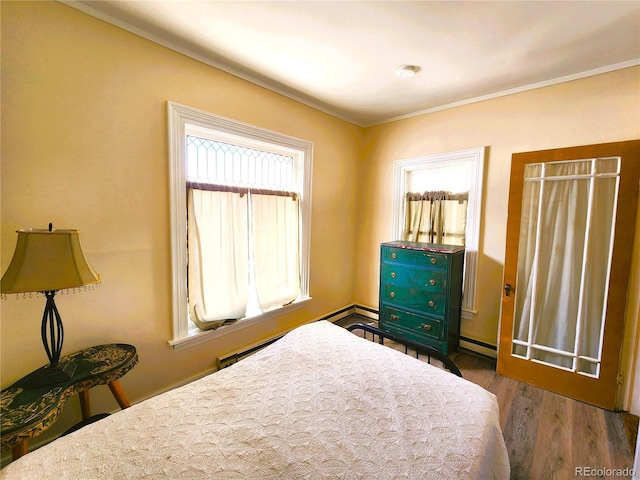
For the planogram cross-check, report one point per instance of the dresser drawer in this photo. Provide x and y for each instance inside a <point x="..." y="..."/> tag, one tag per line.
<point x="414" y="298"/>
<point x="431" y="280"/>
<point x="419" y="325"/>
<point x="416" y="257"/>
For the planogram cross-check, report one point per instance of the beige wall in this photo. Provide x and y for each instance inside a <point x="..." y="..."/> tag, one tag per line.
<point x="598" y="109"/>
<point x="84" y="145"/>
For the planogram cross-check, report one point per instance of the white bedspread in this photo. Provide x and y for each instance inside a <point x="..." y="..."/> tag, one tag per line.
<point x="320" y="403"/>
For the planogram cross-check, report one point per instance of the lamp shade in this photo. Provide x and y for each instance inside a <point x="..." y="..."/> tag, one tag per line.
<point x="47" y="260"/>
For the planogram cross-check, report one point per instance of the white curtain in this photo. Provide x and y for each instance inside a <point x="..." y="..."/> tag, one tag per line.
<point x="242" y="246"/>
<point x="526" y="254"/>
<point x="597" y="267"/>
<point x="276" y="249"/>
<point x="552" y="270"/>
<point x="560" y="253"/>
<point x="218" y="256"/>
<point x="436" y="217"/>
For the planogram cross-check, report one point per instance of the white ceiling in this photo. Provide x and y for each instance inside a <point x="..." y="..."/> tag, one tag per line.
<point x="341" y="56"/>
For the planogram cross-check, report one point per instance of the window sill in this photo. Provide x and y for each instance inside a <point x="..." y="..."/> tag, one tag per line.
<point x="468" y="314"/>
<point x="196" y="337"/>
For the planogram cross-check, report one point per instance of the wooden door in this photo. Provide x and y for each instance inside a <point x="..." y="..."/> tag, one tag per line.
<point x="578" y="299"/>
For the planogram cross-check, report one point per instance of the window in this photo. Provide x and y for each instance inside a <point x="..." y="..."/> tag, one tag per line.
<point x="240" y="217"/>
<point x="455" y="172"/>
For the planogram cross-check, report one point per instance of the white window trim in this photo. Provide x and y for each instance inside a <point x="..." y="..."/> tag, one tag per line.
<point x="401" y="168"/>
<point x="179" y="117"/>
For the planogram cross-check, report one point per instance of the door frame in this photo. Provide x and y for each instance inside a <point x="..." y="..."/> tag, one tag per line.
<point x="622" y="255"/>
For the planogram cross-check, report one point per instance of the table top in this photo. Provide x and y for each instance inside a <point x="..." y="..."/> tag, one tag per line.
<point x="28" y="409"/>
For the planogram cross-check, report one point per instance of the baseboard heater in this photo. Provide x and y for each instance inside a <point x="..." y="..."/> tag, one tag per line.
<point x="230" y="358"/>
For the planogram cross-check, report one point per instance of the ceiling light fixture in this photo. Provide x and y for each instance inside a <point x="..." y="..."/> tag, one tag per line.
<point x="406" y="71"/>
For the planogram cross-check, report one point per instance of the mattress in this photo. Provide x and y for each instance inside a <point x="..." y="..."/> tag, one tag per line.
<point x="320" y="403"/>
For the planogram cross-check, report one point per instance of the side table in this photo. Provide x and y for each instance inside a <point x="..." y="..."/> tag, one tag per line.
<point x="27" y="410"/>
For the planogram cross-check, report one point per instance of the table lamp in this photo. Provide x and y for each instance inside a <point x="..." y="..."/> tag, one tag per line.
<point x="46" y="261"/>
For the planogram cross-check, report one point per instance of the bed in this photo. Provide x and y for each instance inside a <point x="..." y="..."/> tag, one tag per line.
<point x="320" y="403"/>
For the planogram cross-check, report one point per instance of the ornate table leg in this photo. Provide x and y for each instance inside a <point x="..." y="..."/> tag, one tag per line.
<point x="20" y="449"/>
<point x="118" y="393"/>
<point x="85" y="404"/>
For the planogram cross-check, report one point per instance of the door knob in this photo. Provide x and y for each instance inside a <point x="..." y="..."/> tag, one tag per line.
<point x="507" y="289"/>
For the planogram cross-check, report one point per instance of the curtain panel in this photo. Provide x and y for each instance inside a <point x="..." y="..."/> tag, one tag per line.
<point x="436" y="217"/>
<point x="276" y="256"/>
<point x="218" y="248"/>
<point x="241" y="245"/>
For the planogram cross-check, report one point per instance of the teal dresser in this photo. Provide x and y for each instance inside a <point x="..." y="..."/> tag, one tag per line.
<point x="421" y="292"/>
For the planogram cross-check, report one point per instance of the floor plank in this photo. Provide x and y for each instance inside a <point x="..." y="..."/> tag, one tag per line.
<point x="631" y="428"/>
<point x="520" y="429"/>
<point x="620" y="448"/>
<point x="591" y="451"/>
<point x="552" y="456"/>
<point x="505" y="390"/>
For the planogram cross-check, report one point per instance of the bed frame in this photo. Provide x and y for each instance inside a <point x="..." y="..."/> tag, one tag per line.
<point x="408" y="344"/>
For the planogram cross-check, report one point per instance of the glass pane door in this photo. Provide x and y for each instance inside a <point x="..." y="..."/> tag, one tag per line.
<point x="564" y="259"/>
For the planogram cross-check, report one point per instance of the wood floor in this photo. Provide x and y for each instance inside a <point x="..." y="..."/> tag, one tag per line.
<point x="548" y="436"/>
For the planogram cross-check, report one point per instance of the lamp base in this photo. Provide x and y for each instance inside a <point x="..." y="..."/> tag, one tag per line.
<point x="53" y="374"/>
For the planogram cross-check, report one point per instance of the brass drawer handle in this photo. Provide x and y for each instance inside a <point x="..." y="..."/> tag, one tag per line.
<point x="432" y="282"/>
<point x="393" y="274"/>
<point x="432" y="303"/>
<point x="394" y="317"/>
<point x="426" y="327"/>
<point x="433" y="260"/>
<point x="392" y="294"/>
<point x="393" y="255"/>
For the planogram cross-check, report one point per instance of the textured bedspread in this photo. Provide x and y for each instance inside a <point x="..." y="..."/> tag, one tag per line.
<point x="321" y="403"/>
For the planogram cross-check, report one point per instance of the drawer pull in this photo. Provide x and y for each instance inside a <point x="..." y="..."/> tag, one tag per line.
<point x="393" y="274"/>
<point x="426" y="327"/>
<point x="394" y="317"/>
<point x="433" y="260"/>
<point x="432" y="282"/>
<point x="432" y="303"/>
<point x="392" y="294"/>
<point x="393" y="255"/>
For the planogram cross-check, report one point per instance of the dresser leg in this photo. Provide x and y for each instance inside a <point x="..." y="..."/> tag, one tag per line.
<point x="85" y="404"/>
<point x="118" y="393"/>
<point x="20" y="449"/>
